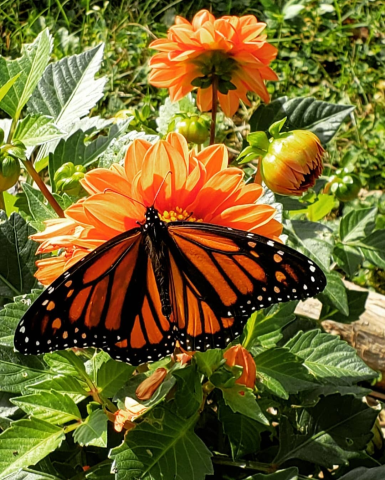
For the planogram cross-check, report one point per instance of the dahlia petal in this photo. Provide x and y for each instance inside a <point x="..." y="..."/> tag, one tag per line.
<point x="181" y="21"/>
<point x="268" y="73"/>
<point x="215" y="158"/>
<point x="245" y="217"/>
<point x="201" y="18"/>
<point x="134" y="156"/>
<point x="100" y="179"/>
<point x="204" y="99"/>
<point x="54" y="227"/>
<point x="76" y="213"/>
<point x="229" y="103"/>
<point x="112" y="213"/>
<point x="272" y="229"/>
<point x="251" y="31"/>
<point x="163" y="45"/>
<point x="179" y="142"/>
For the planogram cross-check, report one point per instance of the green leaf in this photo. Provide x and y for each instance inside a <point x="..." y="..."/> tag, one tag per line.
<point x="66" y="362"/>
<point x="53" y="407"/>
<point x="319" y="209"/>
<point x="208" y="361"/>
<point x="362" y="473"/>
<point x="26" y="443"/>
<point x="17" y="256"/>
<point x="357" y="224"/>
<point x="335" y="293"/>
<point x="62" y="384"/>
<point x="162" y="446"/>
<point x="81" y="152"/>
<point x="36" y="129"/>
<point x="243" y="432"/>
<point x="29" y="474"/>
<point x="314" y="240"/>
<point x="101" y="473"/>
<point x="303" y="113"/>
<point x="276" y="127"/>
<point x="287" y="474"/>
<point x="111" y="377"/>
<point x="39" y="208"/>
<point x="189" y="394"/>
<point x="11" y="315"/>
<point x="242" y="400"/>
<point x="6" y="87"/>
<point x="19" y="371"/>
<point x="264" y="327"/>
<point x="348" y="258"/>
<point x="30" y="66"/>
<point x="68" y="91"/>
<point x="356" y="304"/>
<point x="93" y="431"/>
<point x="258" y="139"/>
<point x="373" y="248"/>
<point x="329" y="359"/>
<point x="282" y="372"/>
<point x="329" y="433"/>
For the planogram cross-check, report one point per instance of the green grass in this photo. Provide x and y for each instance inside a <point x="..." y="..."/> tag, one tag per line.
<point x="333" y="50"/>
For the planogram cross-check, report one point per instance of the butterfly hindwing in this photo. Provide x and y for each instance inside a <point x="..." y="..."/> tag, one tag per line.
<point x="228" y="274"/>
<point x="107" y="300"/>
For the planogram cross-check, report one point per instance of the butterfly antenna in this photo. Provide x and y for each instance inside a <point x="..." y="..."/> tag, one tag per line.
<point x="125" y="196"/>
<point x="160" y="186"/>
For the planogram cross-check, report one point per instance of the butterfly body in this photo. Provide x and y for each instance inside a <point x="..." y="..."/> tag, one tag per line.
<point x="140" y="292"/>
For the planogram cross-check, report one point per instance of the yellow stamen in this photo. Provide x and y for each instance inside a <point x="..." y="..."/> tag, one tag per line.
<point x="178" y="214"/>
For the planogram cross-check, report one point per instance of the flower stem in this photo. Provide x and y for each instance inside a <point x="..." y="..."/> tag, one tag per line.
<point x="214" y="109"/>
<point x="43" y="187"/>
<point x="2" y="203"/>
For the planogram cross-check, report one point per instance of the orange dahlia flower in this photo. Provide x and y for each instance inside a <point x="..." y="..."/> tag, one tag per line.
<point x="200" y="188"/>
<point x="230" y="50"/>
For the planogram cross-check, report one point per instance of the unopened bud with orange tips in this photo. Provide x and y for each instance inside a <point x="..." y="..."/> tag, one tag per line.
<point x="238" y="355"/>
<point x="147" y="388"/>
<point x="290" y="162"/>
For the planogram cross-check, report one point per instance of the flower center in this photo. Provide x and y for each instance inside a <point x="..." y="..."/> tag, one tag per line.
<point x="178" y="214"/>
<point x="215" y="64"/>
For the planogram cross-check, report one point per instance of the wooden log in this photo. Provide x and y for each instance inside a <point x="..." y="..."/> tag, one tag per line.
<point x="366" y="335"/>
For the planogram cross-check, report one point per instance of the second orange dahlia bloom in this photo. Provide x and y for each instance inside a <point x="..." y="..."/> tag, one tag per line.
<point x="199" y="188"/>
<point x="230" y="49"/>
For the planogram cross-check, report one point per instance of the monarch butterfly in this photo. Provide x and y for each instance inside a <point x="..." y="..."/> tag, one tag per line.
<point x="143" y="290"/>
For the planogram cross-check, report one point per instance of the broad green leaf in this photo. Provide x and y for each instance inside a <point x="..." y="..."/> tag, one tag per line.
<point x="314" y="240"/>
<point x="330" y="433"/>
<point x="53" y="407"/>
<point x="335" y="293"/>
<point x="36" y="130"/>
<point x="356" y="304"/>
<point x="208" y="361"/>
<point x="5" y="88"/>
<point x="81" y="152"/>
<point x="7" y="409"/>
<point x="303" y="113"/>
<point x="26" y="443"/>
<point x="189" y="393"/>
<point x="318" y="210"/>
<point x="30" y="66"/>
<point x="29" y="474"/>
<point x="63" y="384"/>
<point x="111" y="377"/>
<point x="162" y="446"/>
<point x="242" y="400"/>
<point x="329" y="359"/>
<point x="357" y="224"/>
<point x="264" y="326"/>
<point x="66" y="362"/>
<point x="287" y="474"/>
<point x="93" y="431"/>
<point x="348" y="258"/>
<point x="362" y="473"/>
<point x="243" y="432"/>
<point x="38" y="206"/>
<point x="17" y="256"/>
<point x="373" y="248"/>
<point x="101" y="473"/>
<point x="68" y="90"/>
<point x="11" y="315"/>
<point x="18" y="371"/>
<point x="282" y="372"/>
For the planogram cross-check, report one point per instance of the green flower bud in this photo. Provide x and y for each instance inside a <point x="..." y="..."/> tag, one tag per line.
<point x="344" y="185"/>
<point x="195" y="129"/>
<point x="67" y="178"/>
<point x="9" y="173"/>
